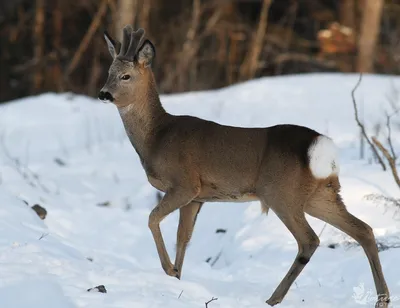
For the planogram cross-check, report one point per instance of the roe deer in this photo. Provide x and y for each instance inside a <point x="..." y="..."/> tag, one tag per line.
<point x="291" y="169"/>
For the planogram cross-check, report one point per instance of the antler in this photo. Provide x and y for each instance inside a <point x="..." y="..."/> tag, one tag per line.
<point x="131" y="42"/>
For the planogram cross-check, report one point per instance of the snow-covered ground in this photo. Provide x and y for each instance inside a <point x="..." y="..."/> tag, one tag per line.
<point x="70" y="155"/>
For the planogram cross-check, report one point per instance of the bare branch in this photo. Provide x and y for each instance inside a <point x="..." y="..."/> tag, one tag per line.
<point x="389" y="158"/>
<point x="211" y="300"/>
<point x="87" y="38"/>
<point x="362" y="128"/>
<point x="249" y="66"/>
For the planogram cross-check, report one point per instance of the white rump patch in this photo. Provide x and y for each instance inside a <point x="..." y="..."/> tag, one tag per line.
<point x="323" y="157"/>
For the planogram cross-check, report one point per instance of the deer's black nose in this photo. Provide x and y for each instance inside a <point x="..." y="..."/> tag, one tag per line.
<point x="106" y="96"/>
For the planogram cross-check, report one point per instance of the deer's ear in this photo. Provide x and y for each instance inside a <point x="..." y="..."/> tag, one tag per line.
<point x="113" y="46"/>
<point x="146" y="54"/>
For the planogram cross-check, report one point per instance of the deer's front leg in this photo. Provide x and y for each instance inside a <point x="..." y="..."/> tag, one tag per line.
<point x="172" y="200"/>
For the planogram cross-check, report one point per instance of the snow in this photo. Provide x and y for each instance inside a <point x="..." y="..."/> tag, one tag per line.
<point x="323" y="156"/>
<point x="70" y="154"/>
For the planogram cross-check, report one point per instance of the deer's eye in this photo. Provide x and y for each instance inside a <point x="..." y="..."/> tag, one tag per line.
<point x="126" y="77"/>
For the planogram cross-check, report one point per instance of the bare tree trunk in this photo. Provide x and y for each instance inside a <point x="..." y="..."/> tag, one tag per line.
<point x="369" y="34"/>
<point x="348" y="13"/>
<point x="39" y="43"/>
<point x="249" y="66"/>
<point x="57" y="27"/>
<point x="126" y="15"/>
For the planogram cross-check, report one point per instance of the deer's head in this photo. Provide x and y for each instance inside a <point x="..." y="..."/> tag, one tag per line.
<point x="130" y="68"/>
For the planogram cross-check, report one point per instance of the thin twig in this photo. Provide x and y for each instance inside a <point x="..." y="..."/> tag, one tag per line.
<point x="180" y="294"/>
<point x="211" y="300"/>
<point x="43" y="236"/>
<point x="322" y="230"/>
<point x="362" y="128"/>
<point x="389" y="158"/>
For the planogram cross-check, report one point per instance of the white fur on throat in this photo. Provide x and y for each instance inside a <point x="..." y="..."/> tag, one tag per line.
<point x="124" y="110"/>
<point x="323" y="157"/>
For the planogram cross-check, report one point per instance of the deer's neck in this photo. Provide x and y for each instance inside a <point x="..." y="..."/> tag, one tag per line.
<point x="143" y="117"/>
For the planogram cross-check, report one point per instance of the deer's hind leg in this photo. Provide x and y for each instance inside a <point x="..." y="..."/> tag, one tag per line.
<point x="290" y="212"/>
<point x="327" y="205"/>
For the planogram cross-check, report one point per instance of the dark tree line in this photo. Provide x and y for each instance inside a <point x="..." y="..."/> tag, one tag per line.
<point x="57" y="45"/>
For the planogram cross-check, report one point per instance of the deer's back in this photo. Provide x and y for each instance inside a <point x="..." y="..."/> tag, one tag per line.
<point x="228" y="160"/>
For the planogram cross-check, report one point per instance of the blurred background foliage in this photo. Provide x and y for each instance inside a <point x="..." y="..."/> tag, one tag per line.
<point x="57" y="45"/>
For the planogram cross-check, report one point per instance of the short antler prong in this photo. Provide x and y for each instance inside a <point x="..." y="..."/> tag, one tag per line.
<point x="131" y="42"/>
<point x="126" y="36"/>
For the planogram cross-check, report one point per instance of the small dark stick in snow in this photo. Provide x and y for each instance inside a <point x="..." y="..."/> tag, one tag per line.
<point x="59" y="162"/>
<point x="43" y="236"/>
<point x="104" y="204"/>
<point x="100" y="288"/>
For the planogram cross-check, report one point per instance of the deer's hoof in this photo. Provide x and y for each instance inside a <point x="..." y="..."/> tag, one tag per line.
<point x="177" y="274"/>
<point x="273" y="301"/>
<point x="382" y="304"/>
<point x="171" y="271"/>
<point x="383" y="301"/>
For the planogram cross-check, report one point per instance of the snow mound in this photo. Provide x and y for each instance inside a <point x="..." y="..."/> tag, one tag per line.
<point x="70" y="155"/>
